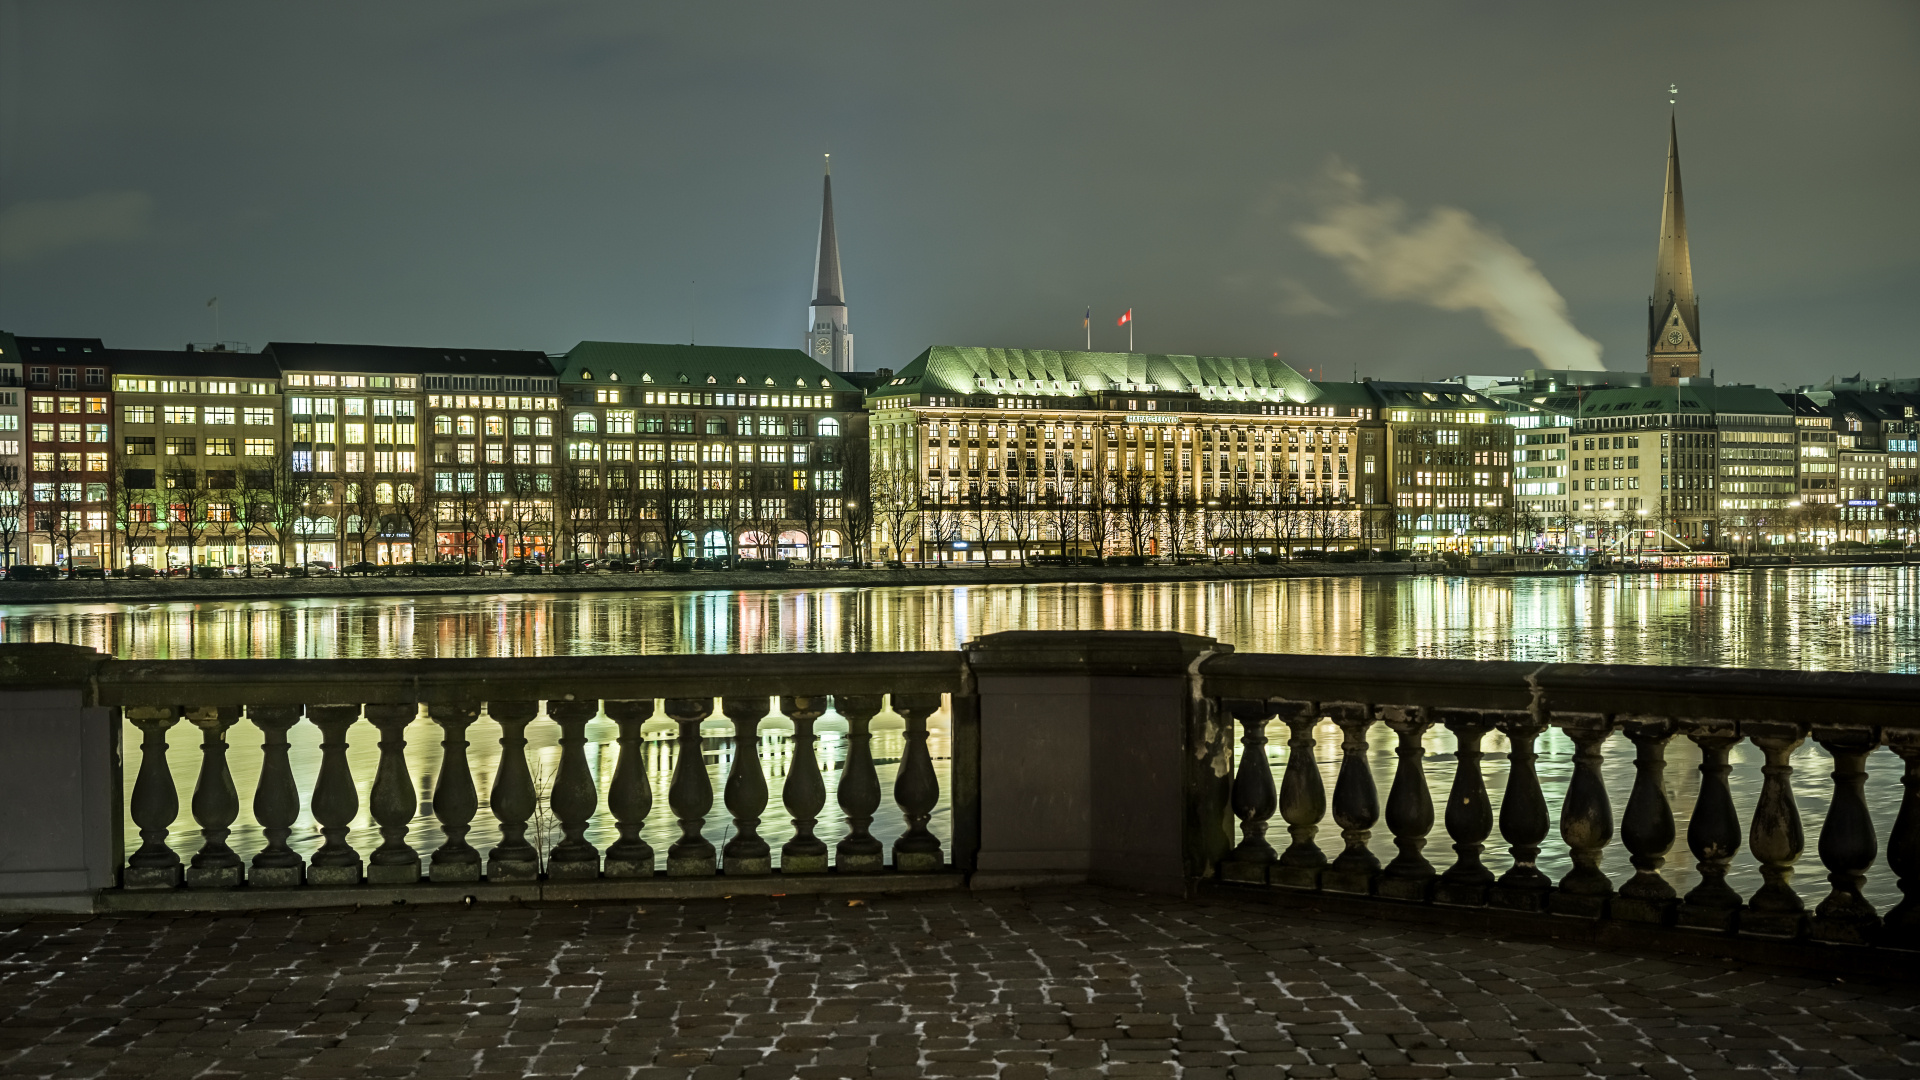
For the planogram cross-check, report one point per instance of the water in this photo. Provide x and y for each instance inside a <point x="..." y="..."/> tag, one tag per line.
<point x="1850" y="619"/>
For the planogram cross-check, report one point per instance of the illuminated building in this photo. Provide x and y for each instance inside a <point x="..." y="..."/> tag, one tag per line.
<point x="67" y="490"/>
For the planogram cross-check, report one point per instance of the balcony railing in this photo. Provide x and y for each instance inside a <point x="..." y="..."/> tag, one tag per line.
<point x="1105" y="757"/>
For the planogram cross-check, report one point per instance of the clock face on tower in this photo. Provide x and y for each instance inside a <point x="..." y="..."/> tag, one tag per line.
<point x="822" y="345"/>
<point x="1674" y="336"/>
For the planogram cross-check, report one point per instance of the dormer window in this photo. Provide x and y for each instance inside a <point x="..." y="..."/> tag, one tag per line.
<point x="645" y="377"/>
<point x="711" y="380"/>
<point x="740" y="380"/>
<point x="613" y="376"/>
<point x="585" y="375"/>
<point x="769" y="380"/>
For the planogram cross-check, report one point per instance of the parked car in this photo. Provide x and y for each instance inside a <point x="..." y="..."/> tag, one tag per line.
<point x="524" y="566"/>
<point x="321" y="569"/>
<point x="363" y="569"/>
<point x="573" y="566"/>
<point x="29" y="572"/>
<point x="87" y="573"/>
<point x="619" y="566"/>
<point x="136" y="572"/>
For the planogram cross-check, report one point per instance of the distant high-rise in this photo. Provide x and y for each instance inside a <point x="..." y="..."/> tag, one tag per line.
<point x="828" y="340"/>
<point x="1673" y="311"/>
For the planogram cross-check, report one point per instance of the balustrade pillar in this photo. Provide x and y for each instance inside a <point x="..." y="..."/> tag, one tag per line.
<point x="574" y="797"/>
<point x="336" y="802"/>
<point x="1253" y="796"/>
<point x="690" y="792"/>
<point x="1713" y="834"/>
<point x="1523" y="817"/>
<point x="514" y="799"/>
<point x="1303" y="800"/>
<point x="1775" y="908"/>
<point x="916" y="788"/>
<point x="1356" y="802"/>
<point x="746" y="791"/>
<point x="859" y="795"/>
<point x="392" y="801"/>
<point x="154" y="804"/>
<point x="629" y="794"/>
<point x="804" y="792"/>
<point x="276" y="800"/>
<point x="1409" y="807"/>
<point x="1647" y="827"/>
<point x="216" y="803"/>
<point x="455" y="800"/>
<point x="1902" y="926"/>
<point x="1586" y="819"/>
<point x="1469" y="815"/>
<point x="1847" y="841"/>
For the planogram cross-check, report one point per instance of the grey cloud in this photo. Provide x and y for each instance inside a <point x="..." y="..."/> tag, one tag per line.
<point x="31" y="229"/>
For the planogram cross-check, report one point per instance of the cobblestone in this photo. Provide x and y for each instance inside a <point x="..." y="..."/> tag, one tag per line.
<point x="1053" y="984"/>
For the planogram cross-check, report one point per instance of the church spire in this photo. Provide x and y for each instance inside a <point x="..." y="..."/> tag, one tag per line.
<point x="1673" y="314"/>
<point x="828" y="339"/>
<point x="827" y="288"/>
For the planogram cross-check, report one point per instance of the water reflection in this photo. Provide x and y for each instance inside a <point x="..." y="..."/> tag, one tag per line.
<point x="1856" y="619"/>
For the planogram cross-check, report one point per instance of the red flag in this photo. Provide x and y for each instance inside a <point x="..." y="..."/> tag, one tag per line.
<point x="1125" y="319"/>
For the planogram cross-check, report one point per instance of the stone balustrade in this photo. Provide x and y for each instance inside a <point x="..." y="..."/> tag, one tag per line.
<point x="1847" y="715"/>
<point x="1104" y="757"/>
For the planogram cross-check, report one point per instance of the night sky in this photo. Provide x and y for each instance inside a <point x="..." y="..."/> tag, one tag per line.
<point x="1336" y="183"/>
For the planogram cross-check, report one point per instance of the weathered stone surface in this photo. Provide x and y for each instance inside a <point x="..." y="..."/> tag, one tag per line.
<point x="1041" y="984"/>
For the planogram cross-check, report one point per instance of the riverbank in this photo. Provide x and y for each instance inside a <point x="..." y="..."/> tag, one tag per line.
<point x="185" y="590"/>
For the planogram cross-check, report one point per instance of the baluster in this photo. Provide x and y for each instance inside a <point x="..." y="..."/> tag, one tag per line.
<point x="1409" y="807"/>
<point x="690" y="791"/>
<point x="155" y="803"/>
<point x="1586" y="819"/>
<point x="1303" y="800"/>
<point x="455" y="799"/>
<point x="916" y="788"/>
<point x="1847" y="842"/>
<point x="859" y="795"/>
<point x="629" y="795"/>
<point x="392" y="800"/>
<point x="1902" y="927"/>
<point x="1713" y="835"/>
<point x="1775" y="909"/>
<point x="336" y="802"/>
<point x="746" y="789"/>
<point x="574" y="797"/>
<point x="1356" y="802"/>
<point x="1647" y="826"/>
<point x="513" y="799"/>
<point x="216" y="803"/>
<point x="276" y="800"/>
<point x="1253" y="795"/>
<point x="804" y="793"/>
<point x="1469" y="815"/>
<point x="1523" y="818"/>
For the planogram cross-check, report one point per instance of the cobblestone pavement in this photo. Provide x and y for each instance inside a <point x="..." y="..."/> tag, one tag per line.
<point x="1070" y="983"/>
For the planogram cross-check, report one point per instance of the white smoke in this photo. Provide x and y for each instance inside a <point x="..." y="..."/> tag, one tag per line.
<point x="1448" y="260"/>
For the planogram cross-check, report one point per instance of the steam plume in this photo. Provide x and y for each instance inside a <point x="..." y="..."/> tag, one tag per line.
<point x="1450" y="261"/>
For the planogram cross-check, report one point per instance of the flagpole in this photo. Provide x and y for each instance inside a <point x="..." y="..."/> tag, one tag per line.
<point x="1129" y="329"/>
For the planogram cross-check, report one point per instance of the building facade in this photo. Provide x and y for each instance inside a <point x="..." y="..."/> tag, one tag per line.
<point x="68" y="487"/>
<point x="981" y="454"/>
<point x="699" y="451"/>
<point x="13" y="451"/>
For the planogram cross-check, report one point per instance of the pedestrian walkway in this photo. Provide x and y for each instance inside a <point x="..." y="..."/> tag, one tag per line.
<point x="1066" y="983"/>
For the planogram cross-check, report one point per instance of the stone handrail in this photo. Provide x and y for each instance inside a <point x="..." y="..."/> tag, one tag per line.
<point x="1847" y="714"/>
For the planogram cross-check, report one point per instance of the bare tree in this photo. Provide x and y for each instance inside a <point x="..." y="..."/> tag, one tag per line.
<point x="1020" y="511"/>
<point x="413" y="511"/>
<point x="894" y="498"/>
<point x="12" y="511"/>
<point x="1133" y="505"/>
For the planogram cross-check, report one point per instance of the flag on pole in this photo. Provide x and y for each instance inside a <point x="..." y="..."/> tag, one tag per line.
<point x="1125" y="319"/>
<point x="1086" y="321"/>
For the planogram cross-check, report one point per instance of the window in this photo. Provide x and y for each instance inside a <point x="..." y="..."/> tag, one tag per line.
<point x="217" y="415"/>
<point x="353" y="406"/>
<point x="353" y="434"/>
<point x="584" y="422"/>
<point x="179" y="446"/>
<point x="619" y="421"/>
<point x="522" y="426"/>
<point x="97" y="433"/>
<point x="828" y="428"/>
<point x="443" y="425"/>
<point x="178" y="414"/>
<point x="97" y="462"/>
<point x="42" y="432"/>
<point x="543" y="454"/>
<point x="257" y="417"/>
<point x="219" y="448"/>
<point x="356" y="461"/>
<point x="496" y="425"/>
<point x="543" y="426"/>
<point x="258" y="447"/>
<point x="136" y="414"/>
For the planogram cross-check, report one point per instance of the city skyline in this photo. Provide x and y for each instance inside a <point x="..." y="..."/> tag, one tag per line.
<point x="709" y="229"/>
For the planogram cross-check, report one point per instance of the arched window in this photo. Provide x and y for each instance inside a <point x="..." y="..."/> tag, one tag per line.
<point x="443" y="425"/>
<point x="463" y="426"/>
<point x="383" y="493"/>
<point x="522" y="426"/>
<point x="543" y="425"/>
<point x="406" y="493"/>
<point x="829" y="428"/>
<point x="496" y="425"/>
<point x="584" y="422"/>
<point x="353" y="492"/>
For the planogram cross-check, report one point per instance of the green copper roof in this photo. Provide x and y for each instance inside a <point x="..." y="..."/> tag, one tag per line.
<point x="1696" y="398"/>
<point x="958" y="369"/>
<point x="696" y="365"/>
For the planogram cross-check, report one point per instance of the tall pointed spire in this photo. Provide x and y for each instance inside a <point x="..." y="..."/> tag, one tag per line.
<point x="827" y="288"/>
<point x="827" y="337"/>
<point x="1673" y="311"/>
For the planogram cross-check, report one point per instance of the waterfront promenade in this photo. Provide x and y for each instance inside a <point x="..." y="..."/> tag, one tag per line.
<point x="1058" y="983"/>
